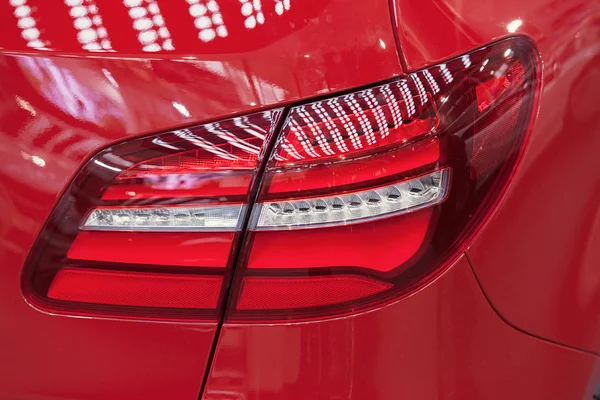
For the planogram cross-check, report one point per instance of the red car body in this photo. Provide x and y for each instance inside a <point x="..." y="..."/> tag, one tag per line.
<point x="515" y="316"/>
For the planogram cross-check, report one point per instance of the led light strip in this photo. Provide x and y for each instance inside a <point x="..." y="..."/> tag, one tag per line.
<point x="349" y="208"/>
<point x="175" y="218"/>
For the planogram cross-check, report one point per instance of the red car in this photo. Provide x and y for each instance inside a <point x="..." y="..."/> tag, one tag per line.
<point x="285" y="199"/>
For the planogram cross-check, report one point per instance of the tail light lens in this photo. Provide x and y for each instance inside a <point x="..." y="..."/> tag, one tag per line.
<point x="147" y="227"/>
<point x="362" y="198"/>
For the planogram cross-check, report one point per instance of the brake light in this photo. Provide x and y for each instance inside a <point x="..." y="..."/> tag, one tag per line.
<point x="363" y="197"/>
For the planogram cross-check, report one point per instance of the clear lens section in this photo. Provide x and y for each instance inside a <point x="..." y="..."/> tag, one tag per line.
<point x="350" y="208"/>
<point x="163" y="218"/>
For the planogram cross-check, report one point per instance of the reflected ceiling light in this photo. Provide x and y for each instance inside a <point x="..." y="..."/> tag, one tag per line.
<point x="514" y="25"/>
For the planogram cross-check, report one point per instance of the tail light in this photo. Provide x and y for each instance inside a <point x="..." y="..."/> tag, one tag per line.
<point x="362" y="198"/>
<point x="147" y="227"/>
<point x="367" y="194"/>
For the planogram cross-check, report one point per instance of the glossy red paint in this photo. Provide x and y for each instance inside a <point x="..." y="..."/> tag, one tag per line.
<point x="59" y="104"/>
<point x="438" y="29"/>
<point x="444" y="341"/>
<point x="537" y="260"/>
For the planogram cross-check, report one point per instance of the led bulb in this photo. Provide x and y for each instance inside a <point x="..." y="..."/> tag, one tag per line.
<point x="349" y="208"/>
<point x="163" y="218"/>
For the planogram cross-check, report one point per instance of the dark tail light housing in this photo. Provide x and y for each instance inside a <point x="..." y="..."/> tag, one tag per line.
<point x="357" y="200"/>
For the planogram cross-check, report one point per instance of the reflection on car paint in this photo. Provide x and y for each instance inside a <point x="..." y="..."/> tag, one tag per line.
<point x="148" y="23"/>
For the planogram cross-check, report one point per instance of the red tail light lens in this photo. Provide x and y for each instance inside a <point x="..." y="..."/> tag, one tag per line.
<point x="141" y="289"/>
<point x="362" y="198"/>
<point x="365" y="195"/>
<point x="148" y="226"/>
<point x="261" y="293"/>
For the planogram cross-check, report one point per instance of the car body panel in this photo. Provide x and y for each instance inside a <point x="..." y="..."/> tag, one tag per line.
<point x="434" y="30"/>
<point x="537" y="258"/>
<point x="443" y="341"/>
<point x="60" y="104"/>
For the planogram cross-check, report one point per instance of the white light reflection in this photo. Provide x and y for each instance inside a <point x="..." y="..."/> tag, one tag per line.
<point x="37" y="160"/>
<point x="309" y="121"/>
<point x="349" y="126"/>
<point x="373" y="104"/>
<point x="196" y="140"/>
<point x="24" y="104"/>
<point x="291" y="150"/>
<point x="408" y="98"/>
<point x="27" y="24"/>
<point x="363" y="121"/>
<point x="392" y="101"/>
<point x="446" y="74"/>
<point x="326" y="127"/>
<point x="252" y="10"/>
<point x="249" y="127"/>
<point x="382" y="44"/>
<point x="231" y="138"/>
<point x="485" y="62"/>
<point x="420" y="88"/>
<point x="282" y="6"/>
<point x="66" y="89"/>
<point x="513" y="26"/>
<point x="148" y="21"/>
<point x="331" y="127"/>
<point x="103" y="165"/>
<point x="162" y="143"/>
<point x="91" y="32"/>
<point x="182" y="109"/>
<point x="500" y="71"/>
<point x="110" y="78"/>
<point x="466" y="60"/>
<point x="432" y="83"/>
<point x="207" y="19"/>
<point x="303" y="139"/>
